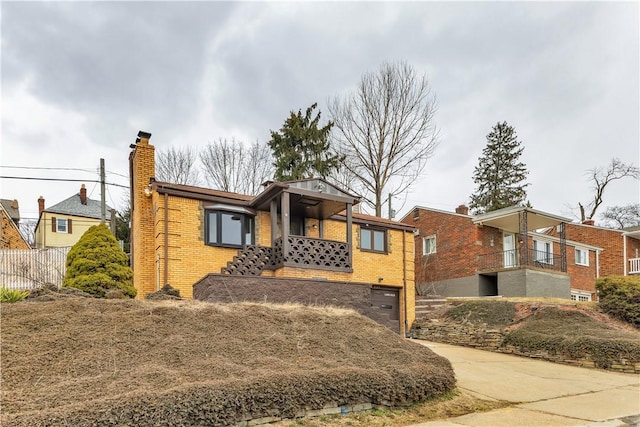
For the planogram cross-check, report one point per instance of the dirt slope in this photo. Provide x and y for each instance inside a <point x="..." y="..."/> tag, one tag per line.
<point x="80" y="361"/>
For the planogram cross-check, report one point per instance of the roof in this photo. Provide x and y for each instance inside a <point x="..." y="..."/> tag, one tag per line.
<point x="360" y="218"/>
<point x="3" y="211"/>
<point x="189" y="191"/>
<point x="72" y="206"/>
<point x="508" y="219"/>
<point x="13" y="212"/>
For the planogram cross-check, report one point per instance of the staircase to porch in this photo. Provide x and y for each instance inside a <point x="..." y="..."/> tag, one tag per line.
<point x="426" y="304"/>
<point x="251" y="260"/>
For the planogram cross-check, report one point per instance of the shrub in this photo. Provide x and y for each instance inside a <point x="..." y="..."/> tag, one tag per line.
<point x="620" y="297"/>
<point x="97" y="265"/>
<point x="12" y="295"/>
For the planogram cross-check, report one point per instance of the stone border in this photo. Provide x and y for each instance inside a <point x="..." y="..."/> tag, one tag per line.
<point x="481" y="338"/>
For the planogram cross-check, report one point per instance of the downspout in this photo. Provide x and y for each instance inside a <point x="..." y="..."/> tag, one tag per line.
<point x="166" y="238"/>
<point x="404" y="280"/>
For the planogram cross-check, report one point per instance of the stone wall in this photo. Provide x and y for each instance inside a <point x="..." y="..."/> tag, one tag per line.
<point x="482" y="338"/>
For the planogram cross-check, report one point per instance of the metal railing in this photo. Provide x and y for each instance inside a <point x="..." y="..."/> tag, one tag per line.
<point x="518" y="259"/>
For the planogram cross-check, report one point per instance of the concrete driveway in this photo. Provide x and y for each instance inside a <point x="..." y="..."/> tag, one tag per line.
<point x="543" y="393"/>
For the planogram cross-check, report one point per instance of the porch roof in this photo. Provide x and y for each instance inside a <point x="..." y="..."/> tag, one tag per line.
<point x="508" y="219"/>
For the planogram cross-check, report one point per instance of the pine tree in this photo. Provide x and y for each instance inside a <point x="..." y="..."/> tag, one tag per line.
<point x="500" y="175"/>
<point x="301" y="149"/>
<point x="97" y="265"/>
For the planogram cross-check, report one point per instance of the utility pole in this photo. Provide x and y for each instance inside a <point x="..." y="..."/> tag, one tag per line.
<point x="392" y="213"/>
<point x="103" y="203"/>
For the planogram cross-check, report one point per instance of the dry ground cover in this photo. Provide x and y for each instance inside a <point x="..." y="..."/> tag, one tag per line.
<point x="577" y="330"/>
<point x="83" y="361"/>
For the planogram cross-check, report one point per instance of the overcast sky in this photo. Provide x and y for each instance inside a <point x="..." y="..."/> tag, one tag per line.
<point x="79" y="79"/>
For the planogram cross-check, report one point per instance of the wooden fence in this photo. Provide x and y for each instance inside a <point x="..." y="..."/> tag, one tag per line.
<point x="32" y="268"/>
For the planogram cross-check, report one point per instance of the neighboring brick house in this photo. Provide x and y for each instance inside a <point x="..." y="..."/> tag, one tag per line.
<point x="620" y="248"/>
<point x="10" y="236"/>
<point x="500" y="253"/>
<point x="62" y="224"/>
<point x="296" y="241"/>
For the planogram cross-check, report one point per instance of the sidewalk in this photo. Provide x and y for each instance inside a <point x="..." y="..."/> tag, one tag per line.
<point x="543" y="393"/>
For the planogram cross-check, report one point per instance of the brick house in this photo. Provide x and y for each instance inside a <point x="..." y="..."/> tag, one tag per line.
<point x="500" y="253"/>
<point x="296" y="241"/>
<point x="62" y="224"/>
<point x="10" y="236"/>
<point x="620" y="254"/>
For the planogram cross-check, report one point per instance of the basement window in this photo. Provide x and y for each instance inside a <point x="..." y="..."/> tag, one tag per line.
<point x="229" y="229"/>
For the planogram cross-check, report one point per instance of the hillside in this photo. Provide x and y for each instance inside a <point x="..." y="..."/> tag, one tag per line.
<point x="79" y="361"/>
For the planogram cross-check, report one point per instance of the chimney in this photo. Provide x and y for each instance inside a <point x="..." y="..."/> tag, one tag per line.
<point x="40" y="205"/>
<point x="462" y="210"/>
<point x="589" y="222"/>
<point x="83" y="194"/>
<point x="14" y="204"/>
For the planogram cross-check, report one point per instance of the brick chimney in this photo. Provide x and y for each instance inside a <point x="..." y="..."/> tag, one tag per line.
<point x="14" y="204"/>
<point x="589" y="222"/>
<point x="462" y="210"/>
<point x="40" y="205"/>
<point x="83" y="194"/>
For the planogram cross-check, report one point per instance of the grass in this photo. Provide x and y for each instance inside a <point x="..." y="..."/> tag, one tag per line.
<point x="452" y="404"/>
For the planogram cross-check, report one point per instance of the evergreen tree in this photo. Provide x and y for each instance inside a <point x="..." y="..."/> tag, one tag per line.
<point x="301" y="149"/>
<point x="97" y="265"/>
<point x="500" y="175"/>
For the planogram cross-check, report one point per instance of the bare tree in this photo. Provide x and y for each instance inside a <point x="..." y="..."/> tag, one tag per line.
<point x="231" y="166"/>
<point x="622" y="216"/>
<point x="178" y="166"/>
<point x="28" y="230"/>
<point x="600" y="179"/>
<point x="386" y="128"/>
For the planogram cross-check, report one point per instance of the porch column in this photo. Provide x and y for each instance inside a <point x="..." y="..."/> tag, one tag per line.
<point x="524" y="234"/>
<point x="349" y="235"/>
<point x="285" y="214"/>
<point x="274" y="222"/>
<point x="563" y="248"/>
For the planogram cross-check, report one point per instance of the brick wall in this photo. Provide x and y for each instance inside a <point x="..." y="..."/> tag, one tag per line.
<point x="10" y="238"/>
<point x="611" y="256"/>
<point x="356" y="296"/>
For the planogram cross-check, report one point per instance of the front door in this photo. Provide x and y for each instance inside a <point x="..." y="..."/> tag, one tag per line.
<point x="509" y="250"/>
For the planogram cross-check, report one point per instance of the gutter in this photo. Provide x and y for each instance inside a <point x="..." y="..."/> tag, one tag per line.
<point x="404" y="281"/>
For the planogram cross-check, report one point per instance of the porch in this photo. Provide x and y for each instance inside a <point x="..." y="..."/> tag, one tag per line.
<point x="519" y="259"/>
<point x="298" y="211"/>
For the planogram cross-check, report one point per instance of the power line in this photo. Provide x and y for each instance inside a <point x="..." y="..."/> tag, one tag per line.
<point x="53" y="169"/>
<point x="61" y="179"/>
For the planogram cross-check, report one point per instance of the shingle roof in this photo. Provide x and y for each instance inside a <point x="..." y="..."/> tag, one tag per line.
<point x="14" y="213"/>
<point x="72" y="206"/>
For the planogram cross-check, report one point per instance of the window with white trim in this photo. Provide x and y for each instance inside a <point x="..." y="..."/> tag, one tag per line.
<point x="429" y="245"/>
<point x="543" y="251"/>
<point x="61" y="225"/>
<point x="582" y="257"/>
<point x="580" y="296"/>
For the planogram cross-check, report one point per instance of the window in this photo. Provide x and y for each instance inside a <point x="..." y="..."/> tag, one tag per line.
<point x="543" y="251"/>
<point x="229" y="229"/>
<point x="582" y="257"/>
<point x="580" y="296"/>
<point x="61" y="226"/>
<point x="429" y="245"/>
<point x="373" y="240"/>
